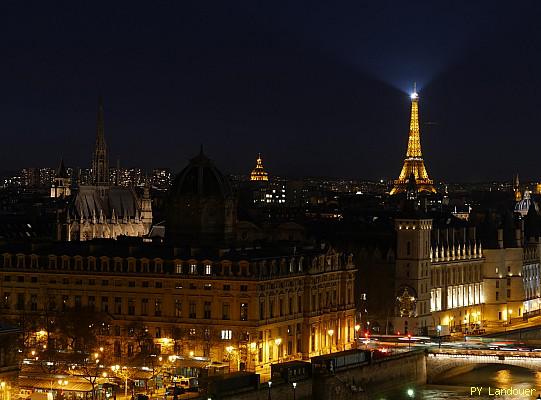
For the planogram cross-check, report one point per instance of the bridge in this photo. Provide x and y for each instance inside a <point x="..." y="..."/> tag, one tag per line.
<point x="444" y="363"/>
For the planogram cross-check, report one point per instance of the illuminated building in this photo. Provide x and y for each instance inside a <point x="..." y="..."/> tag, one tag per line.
<point x="259" y="173"/>
<point x="414" y="164"/>
<point x="104" y="210"/>
<point x="444" y="276"/>
<point x="265" y="305"/>
<point x="61" y="186"/>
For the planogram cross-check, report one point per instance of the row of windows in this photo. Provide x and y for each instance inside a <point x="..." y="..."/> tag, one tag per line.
<point x="147" y="306"/>
<point x="116" y="283"/>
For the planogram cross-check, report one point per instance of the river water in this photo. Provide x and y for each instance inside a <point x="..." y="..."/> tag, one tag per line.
<point x="459" y="387"/>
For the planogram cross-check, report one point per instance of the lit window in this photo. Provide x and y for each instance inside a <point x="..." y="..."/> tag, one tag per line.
<point x="226" y="334"/>
<point x="193" y="269"/>
<point x="178" y="268"/>
<point x="208" y="269"/>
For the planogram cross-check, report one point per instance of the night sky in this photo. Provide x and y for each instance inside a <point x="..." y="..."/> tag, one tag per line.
<point x="319" y="88"/>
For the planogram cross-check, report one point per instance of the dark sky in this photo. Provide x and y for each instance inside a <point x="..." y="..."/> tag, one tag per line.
<point x="319" y="87"/>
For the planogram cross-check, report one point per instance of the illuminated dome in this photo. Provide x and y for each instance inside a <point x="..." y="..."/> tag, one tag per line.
<point x="259" y="173"/>
<point x="523" y="205"/>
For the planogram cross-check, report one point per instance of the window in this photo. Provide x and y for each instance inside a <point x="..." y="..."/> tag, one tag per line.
<point x="77" y="302"/>
<point x="131" y="284"/>
<point x="34" y="279"/>
<point x="33" y="302"/>
<point x="207" y="286"/>
<point x="105" y="304"/>
<point x="508" y="269"/>
<point x="130" y="349"/>
<point x="131" y="306"/>
<point x="91" y="302"/>
<point x="243" y="288"/>
<point x="244" y="311"/>
<point x="65" y="281"/>
<point x="206" y="310"/>
<point x="499" y="315"/>
<point x="193" y="312"/>
<point x="497" y="296"/>
<point x="158" y="285"/>
<point x="408" y="248"/>
<point x="227" y="334"/>
<point x="158" y="307"/>
<point x="497" y="284"/>
<point x="508" y="293"/>
<point x="208" y="269"/>
<point x="104" y="283"/>
<point x="20" y="279"/>
<point x="225" y="311"/>
<point x="281" y="307"/>
<point x="91" y="282"/>
<point x="65" y="302"/>
<point x="227" y="287"/>
<point x="178" y="308"/>
<point x="193" y="269"/>
<point x="144" y="306"/>
<point x="118" y="305"/>
<point x="52" y="303"/>
<point x="145" y="284"/>
<point x="262" y="310"/>
<point x="271" y="309"/>
<point x="508" y="281"/>
<point x="178" y="268"/>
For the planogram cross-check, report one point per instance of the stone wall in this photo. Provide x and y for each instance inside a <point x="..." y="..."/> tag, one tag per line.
<point x="352" y="384"/>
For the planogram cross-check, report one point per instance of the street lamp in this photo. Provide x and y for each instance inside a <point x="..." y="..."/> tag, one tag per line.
<point x="270" y="384"/>
<point x="409" y="341"/>
<point x="357" y="328"/>
<point x="294" y="387"/>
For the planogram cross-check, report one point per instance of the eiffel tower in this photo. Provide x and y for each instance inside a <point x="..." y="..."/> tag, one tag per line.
<point x="414" y="164"/>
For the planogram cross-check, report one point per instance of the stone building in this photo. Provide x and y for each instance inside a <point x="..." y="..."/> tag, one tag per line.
<point x="103" y="209"/>
<point x="258" y="306"/>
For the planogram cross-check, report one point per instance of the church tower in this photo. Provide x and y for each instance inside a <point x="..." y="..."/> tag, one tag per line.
<point x="100" y="161"/>
<point x="414" y="164"/>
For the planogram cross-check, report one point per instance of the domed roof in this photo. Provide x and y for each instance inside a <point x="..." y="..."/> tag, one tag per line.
<point x="523" y="205"/>
<point x="201" y="178"/>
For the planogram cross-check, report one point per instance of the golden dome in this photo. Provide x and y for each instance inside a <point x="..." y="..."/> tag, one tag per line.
<point x="259" y="173"/>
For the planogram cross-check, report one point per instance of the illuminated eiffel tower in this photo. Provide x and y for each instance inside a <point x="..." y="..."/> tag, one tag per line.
<point x="414" y="164"/>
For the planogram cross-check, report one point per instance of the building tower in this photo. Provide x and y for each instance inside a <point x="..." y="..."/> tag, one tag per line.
<point x="412" y="268"/>
<point x="414" y="164"/>
<point x="61" y="186"/>
<point x="259" y="173"/>
<point x="516" y="188"/>
<point x="100" y="161"/>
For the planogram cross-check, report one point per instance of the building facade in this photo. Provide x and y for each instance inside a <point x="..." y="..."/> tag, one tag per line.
<point x="256" y="308"/>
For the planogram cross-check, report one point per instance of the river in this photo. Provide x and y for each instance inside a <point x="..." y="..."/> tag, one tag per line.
<point x="459" y="387"/>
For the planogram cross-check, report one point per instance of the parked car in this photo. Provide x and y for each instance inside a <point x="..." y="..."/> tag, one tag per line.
<point x="189" y="384"/>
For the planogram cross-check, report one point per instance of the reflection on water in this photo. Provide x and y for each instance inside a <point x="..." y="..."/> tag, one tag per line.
<point x="458" y="387"/>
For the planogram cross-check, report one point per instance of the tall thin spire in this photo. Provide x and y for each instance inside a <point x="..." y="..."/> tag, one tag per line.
<point x="100" y="161"/>
<point x="414" y="164"/>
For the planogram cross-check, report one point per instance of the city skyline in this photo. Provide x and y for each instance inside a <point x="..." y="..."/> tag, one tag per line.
<point x="219" y="77"/>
